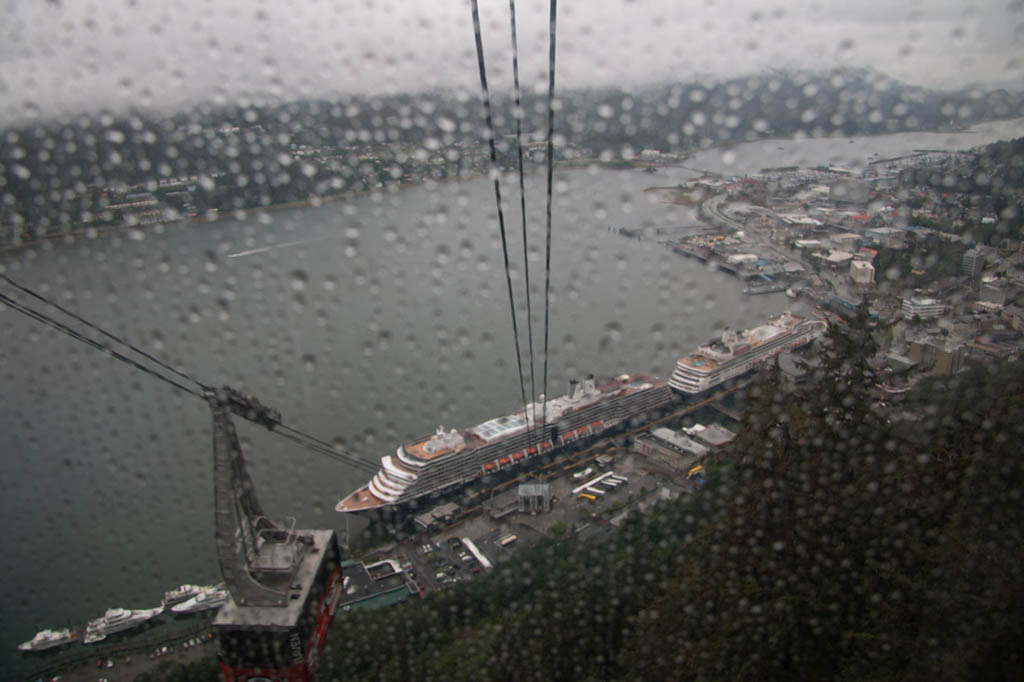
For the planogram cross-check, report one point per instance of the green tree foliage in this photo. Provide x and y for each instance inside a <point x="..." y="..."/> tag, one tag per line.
<point x="834" y="545"/>
<point x="988" y="182"/>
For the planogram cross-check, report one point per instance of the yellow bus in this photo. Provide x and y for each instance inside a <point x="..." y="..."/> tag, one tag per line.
<point x="585" y="496"/>
<point x="695" y="470"/>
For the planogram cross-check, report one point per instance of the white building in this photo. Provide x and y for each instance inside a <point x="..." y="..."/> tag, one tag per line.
<point x="890" y="237"/>
<point x="920" y="307"/>
<point x="973" y="263"/>
<point x="808" y="243"/>
<point x="862" y="272"/>
<point x="846" y="240"/>
<point x="837" y="258"/>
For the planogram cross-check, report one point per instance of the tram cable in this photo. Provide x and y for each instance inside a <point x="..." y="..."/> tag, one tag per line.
<point x="308" y="441"/>
<point x="518" y="114"/>
<point x="495" y="171"/>
<point x="102" y="331"/>
<point x="551" y="165"/>
<point x="324" y="448"/>
<point x="50" y="322"/>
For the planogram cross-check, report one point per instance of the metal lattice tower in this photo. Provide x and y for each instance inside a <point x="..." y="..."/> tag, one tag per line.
<point x="257" y="557"/>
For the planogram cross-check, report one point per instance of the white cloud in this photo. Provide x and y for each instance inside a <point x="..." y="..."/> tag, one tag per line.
<point x="68" y="56"/>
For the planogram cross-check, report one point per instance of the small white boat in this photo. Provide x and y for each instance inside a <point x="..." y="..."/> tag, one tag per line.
<point x="117" y="620"/>
<point x="183" y="593"/>
<point x="47" y="639"/>
<point x="209" y="599"/>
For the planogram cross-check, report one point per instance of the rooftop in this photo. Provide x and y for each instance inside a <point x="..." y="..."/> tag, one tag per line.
<point x="715" y="435"/>
<point x="260" y="617"/>
<point x="679" y="441"/>
<point x="534" y="488"/>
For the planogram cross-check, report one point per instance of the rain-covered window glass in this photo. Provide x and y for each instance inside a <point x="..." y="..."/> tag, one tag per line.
<point x="470" y="339"/>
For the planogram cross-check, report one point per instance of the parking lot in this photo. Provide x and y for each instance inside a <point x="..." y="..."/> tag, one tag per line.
<point x="442" y="559"/>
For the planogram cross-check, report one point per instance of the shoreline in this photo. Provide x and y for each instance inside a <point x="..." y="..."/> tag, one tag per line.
<point x="97" y="232"/>
<point x="92" y="233"/>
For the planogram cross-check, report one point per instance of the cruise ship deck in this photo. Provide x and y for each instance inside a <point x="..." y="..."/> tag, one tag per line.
<point x="445" y="460"/>
<point x="360" y="500"/>
<point x="737" y="352"/>
<point x="699" y="362"/>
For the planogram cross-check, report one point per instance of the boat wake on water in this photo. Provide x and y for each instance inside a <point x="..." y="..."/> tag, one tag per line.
<point x="273" y="247"/>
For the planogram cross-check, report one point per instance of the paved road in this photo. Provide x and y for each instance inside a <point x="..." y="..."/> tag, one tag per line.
<point x="711" y="208"/>
<point x="125" y="671"/>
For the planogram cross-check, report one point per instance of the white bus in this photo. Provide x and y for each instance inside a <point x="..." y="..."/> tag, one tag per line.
<point x="580" y="475"/>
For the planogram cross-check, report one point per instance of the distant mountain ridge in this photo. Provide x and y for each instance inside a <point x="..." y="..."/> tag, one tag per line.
<point x="58" y="173"/>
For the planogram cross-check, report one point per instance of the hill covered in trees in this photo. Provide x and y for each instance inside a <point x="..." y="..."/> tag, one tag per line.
<point x="58" y="175"/>
<point x="834" y="542"/>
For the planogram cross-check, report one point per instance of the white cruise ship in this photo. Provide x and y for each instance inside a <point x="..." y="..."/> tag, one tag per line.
<point x="117" y="620"/>
<point x="449" y="460"/>
<point x="47" y="639"/>
<point x="739" y="352"/>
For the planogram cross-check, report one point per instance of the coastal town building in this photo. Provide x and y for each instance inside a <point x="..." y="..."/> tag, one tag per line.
<point x="940" y="355"/>
<point x="534" y="497"/>
<point x="889" y="237"/>
<point x="972" y="264"/>
<point x="862" y="272"/>
<point x="714" y="436"/>
<point x="670" y="448"/>
<point x="1014" y="316"/>
<point x="922" y="307"/>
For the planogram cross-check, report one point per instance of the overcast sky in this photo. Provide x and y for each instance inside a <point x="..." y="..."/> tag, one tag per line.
<point x="71" y="55"/>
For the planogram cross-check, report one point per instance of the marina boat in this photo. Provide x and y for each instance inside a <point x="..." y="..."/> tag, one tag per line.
<point x="48" y="639"/>
<point x="739" y="352"/>
<point x="117" y="620"/>
<point x="447" y="460"/>
<point x="184" y="593"/>
<point x="210" y="598"/>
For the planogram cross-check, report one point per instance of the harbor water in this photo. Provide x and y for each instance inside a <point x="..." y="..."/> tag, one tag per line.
<point x="365" y="321"/>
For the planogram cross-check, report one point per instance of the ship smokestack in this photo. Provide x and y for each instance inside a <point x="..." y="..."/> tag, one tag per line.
<point x="572" y="388"/>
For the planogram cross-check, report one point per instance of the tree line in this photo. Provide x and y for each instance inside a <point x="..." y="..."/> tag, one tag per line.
<point x="835" y="540"/>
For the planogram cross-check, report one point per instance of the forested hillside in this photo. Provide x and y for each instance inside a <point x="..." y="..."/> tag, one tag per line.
<point x="836" y="545"/>
<point x="832" y="543"/>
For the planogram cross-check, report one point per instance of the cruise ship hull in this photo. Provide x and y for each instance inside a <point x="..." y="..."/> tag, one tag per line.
<point x="403" y="481"/>
<point x="708" y="366"/>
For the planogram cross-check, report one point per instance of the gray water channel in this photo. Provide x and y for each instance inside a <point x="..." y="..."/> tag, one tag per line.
<point x="366" y="321"/>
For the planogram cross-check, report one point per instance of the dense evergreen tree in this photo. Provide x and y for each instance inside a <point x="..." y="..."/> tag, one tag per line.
<point x="835" y="546"/>
<point x="829" y="544"/>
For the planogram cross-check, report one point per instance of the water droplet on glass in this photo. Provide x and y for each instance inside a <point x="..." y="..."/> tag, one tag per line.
<point x="299" y="280"/>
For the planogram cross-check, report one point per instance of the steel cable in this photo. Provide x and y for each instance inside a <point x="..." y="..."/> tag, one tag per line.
<point x="497" y="189"/>
<point x="109" y="335"/>
<point x="550" y="160"/>
<point x="40" y="317"/>
<point x="518" y="111"/>
<point x="305" y="439"/>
